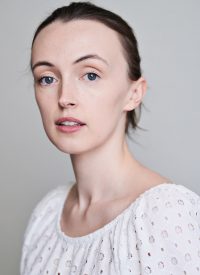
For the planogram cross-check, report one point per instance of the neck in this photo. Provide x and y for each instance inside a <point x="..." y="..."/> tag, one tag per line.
<point x="103" y="173"/>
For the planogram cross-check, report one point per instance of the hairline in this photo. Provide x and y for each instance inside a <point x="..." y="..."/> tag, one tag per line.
<point x="63" y="20"/>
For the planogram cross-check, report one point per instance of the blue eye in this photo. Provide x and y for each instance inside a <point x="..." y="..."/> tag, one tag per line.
<point x="92" y="76"/>
<point x="47" y="80"/>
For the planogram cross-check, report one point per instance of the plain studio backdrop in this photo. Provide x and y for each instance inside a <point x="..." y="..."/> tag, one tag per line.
<point x="169" y="42"/>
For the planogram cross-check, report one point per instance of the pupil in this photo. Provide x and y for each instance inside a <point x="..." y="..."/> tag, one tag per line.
<point x="92" y="76"/>
<point x="48" y="80"/>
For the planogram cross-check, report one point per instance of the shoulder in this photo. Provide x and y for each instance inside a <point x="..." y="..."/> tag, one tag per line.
<point x="46" y="209"/>
<point x="168" y="196"/>
<point x="41" y="220"/>
<point x="51" y="199"/>
<point x="167" y="225"/>
<point x="168" y="203"/>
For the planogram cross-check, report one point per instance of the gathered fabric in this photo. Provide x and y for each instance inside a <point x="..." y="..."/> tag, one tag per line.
<point x="158" y="234"/>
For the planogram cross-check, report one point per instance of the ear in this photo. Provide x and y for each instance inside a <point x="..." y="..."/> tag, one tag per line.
<point x="136" y="93"/>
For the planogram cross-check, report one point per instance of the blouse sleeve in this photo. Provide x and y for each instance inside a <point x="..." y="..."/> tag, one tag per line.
<point x="168" y="232"/>
<point x="42" y="210"/>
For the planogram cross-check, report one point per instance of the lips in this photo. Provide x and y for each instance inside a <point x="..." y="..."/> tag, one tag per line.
<point x="61" y="120"/>
<point x="69" y="125"/>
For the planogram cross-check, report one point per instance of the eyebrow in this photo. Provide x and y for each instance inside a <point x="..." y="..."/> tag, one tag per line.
<point x="90" y="56"/>
<point x="41" y="63"/>
<point x="85" y="57"/>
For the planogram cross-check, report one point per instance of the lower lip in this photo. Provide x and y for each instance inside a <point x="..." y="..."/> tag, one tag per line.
<point x="69" y="129"/>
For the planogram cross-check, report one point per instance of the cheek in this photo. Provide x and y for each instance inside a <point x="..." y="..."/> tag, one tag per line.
<point x="107" y="110"/>
<point x="46" y="107"/>
<point x="112" y="104"/>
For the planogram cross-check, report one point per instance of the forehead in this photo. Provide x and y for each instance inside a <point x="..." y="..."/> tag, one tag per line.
<point x="76" y="38"/>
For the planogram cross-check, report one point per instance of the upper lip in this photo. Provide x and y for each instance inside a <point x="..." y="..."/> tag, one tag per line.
<point x="62" y="119"/>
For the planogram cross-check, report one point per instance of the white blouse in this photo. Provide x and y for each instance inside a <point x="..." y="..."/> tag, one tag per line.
<point x="158" y="234"/>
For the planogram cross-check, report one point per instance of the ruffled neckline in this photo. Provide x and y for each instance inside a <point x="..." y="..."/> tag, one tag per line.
<point x="100" y="231"/>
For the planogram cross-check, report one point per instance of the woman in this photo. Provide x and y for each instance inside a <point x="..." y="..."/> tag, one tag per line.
<point x="119" y="217"/>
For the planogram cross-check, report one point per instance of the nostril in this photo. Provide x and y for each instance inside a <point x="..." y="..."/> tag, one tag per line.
<point x="66" y="104"/>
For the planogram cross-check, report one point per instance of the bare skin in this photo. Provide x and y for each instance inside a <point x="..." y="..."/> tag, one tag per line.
<point x="76" y="222"/>
<point x="108" y="177"/>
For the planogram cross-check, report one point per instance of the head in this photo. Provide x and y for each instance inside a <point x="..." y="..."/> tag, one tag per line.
<point x="85" y="60"/>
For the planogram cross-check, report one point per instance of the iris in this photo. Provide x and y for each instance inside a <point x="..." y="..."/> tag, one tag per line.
<point x="46" y="80"/>
<point x="92" y="76"/>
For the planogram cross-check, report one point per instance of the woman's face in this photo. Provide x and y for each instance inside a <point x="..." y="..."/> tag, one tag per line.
<point x="80" y="72"/>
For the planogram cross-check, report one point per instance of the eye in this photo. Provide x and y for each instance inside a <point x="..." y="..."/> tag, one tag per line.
<point x="47" y="80"/>
<point x="91" y="76"/>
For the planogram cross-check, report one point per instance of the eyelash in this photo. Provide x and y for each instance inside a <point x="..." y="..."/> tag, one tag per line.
<point x="46" y="77"/>
<point x="92" y="73"/>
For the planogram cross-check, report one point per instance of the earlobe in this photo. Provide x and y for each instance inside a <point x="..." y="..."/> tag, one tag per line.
<point x="136" y="94"/>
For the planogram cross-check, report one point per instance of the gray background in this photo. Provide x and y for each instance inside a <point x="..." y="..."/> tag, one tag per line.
<point x="169" y="41"/>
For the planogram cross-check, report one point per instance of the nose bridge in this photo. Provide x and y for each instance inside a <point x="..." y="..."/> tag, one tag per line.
<point x="67" y="93"/>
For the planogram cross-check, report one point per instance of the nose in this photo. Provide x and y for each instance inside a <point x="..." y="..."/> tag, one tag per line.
<point x="67" y="97"/>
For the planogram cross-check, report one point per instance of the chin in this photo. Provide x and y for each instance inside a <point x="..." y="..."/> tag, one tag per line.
<point x="70" y="147"/>
<point x="66" y="148"/>
<point x="76" y="146"/>
<point x="70" y="151"/>
<point x="76" y="149"/>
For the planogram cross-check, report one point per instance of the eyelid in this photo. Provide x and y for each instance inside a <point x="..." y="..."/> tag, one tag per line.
<point x="40" y="74"/>
<point x="90" y="66"/>
<point x="90" y="69"/>
<point x="98" y="77"/>
<point x="38" y="80"/>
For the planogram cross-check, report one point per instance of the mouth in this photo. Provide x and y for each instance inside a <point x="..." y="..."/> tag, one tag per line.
<point x="69" y="121"/>
<point x="69" y="124"/>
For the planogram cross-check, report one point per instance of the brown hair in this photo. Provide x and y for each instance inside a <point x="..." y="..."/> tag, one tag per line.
<point x="87" y="10"/>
